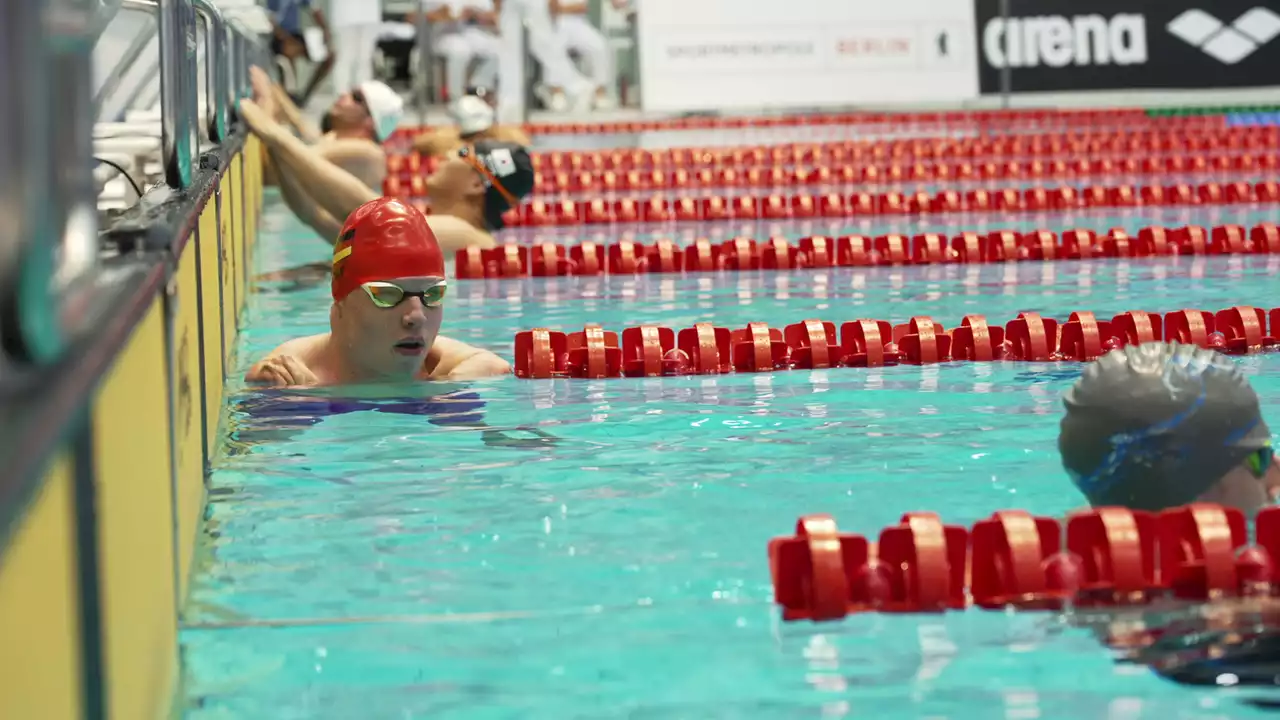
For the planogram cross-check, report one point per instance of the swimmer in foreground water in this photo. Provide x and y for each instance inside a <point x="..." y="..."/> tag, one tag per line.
<point x="388" y="296"/>
<point x="1161" y="425"/>
<point x="1158" y="426"/>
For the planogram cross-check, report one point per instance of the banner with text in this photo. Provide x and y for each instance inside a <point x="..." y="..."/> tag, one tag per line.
<point x="1062" y="45"/>
<point x="727" y="54"/>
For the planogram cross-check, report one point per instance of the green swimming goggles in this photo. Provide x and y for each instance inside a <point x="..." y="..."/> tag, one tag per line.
<point x="1260" y="460"/>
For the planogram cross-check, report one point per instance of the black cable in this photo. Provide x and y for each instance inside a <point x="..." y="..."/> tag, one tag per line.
<point x="116" y="165"/>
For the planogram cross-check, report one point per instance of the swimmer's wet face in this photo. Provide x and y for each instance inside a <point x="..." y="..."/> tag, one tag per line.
<point x="388" y="290"/>
<point x="350" y="111"/>
<point x="1161" y="425"/>
<point x="388" y="328"/>
<point x="453" y="180"/>
<point x="496" y="175"/>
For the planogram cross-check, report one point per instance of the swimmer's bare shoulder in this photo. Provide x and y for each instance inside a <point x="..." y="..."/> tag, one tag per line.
<point x="455" y="360"/>
<point x="454" y="234"/>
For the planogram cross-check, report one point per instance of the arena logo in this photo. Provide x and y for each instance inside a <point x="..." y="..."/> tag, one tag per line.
<point x="1228" y="44"/>
<point x="1058" y="41"/>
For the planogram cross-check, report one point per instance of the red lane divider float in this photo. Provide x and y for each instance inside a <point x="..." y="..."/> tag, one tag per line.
<point x="1021" y="119"/>
<point x="665" y="256"/>
<point x="1045" y="147"/>
<point x="411" y="184"/>
<point x="719" y="208"/>
<point x="704" y="349"/>
<point x="1104" y="557"/>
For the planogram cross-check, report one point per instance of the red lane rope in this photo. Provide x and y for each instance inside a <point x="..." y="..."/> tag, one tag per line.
<point x="661" y="208"/>
<point x="1045" y="146"/>
<point x="704" y="349"/>
<point x="954" y="119"/>
<point x="1105" y="557"/>
<point x="816" y="252"/>
<point x="869" y="176"/>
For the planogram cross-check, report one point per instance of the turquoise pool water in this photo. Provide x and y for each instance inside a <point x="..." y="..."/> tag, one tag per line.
<point x="379" y="565"/>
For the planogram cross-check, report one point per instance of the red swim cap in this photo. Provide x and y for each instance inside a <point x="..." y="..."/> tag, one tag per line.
<point x="384" y="239"/>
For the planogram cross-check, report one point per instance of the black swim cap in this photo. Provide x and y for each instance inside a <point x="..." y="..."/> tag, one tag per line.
<point x="326" y="122"/>
<point x="1154" y="426"/>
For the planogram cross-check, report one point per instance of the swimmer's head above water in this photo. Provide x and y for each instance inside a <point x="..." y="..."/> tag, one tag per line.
<point x="371" y="109"/>
<point x="491" y="177"/>
<point x="1159" y="425"/>
<point x="388" y="289"/>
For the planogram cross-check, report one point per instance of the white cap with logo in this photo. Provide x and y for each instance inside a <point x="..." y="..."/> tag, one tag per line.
<point x="385" y="105"/>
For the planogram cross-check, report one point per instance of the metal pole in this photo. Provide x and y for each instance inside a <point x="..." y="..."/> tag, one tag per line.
<point x="1006" y="72"/>
<point x="24" y="185"/>
<point x="131" y="55"/>
<point x="526" y="73"/>
<point x="422" y="74"/>
<point x="216" y="70"/>
<point x="177" y="136"/>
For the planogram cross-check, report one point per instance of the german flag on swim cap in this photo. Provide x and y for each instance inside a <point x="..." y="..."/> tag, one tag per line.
<point x="382" y="240"/>
<point x="1154" y="426"/>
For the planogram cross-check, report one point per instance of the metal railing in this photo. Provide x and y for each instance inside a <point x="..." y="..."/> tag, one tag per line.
<point x="46" y="142"/>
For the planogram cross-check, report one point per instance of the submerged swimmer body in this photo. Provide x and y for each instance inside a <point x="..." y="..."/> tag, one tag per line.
<point x="275" y="415"/>
<point x="388" y="294"/>
<point x="1158" y="426"/>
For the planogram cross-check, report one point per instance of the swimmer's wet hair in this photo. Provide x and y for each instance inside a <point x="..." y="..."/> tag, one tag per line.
<point x="1154" y="426"/>
<point x="326" y="122"/>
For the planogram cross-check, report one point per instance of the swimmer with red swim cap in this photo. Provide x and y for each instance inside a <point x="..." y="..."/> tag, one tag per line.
<point x="1160" y="425"/>
<point x="389" y="291"/>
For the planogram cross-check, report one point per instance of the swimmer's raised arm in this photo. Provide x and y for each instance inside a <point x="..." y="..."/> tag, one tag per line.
<point x="456" y="360"/>
<point x="336" y="190"/>
<point x="306" y="129"/>
<point x="305" y="207"/>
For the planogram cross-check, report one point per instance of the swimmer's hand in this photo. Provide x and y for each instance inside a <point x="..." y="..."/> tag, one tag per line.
<point x="502" y="438"/>
<point x="259" y="121"/>
<point x="262" y="85"/>
<point x="282" y="371"/>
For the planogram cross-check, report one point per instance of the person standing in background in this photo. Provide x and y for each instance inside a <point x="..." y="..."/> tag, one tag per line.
<point x="580" y="36"/>
<point x="464" y="31"/>
<point x="288" y="41"/>
<point x="356" y="24"/>
<point x="562" y="87"/>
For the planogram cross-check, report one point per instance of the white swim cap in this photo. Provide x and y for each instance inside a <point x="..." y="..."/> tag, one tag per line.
<point x="472" y="114"/>
<point x="385" y="107"/>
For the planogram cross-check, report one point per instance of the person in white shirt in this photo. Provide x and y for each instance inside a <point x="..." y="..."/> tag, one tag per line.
<point x="580" y="36"/>
<point x="465" y="31"/>
<point x="356" y="25"/>
<point x="562" y="85"/>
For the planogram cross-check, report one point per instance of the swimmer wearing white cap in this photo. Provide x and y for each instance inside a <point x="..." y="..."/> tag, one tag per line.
<point x="474" y="121"/>
<point x="468" y="194"/>
<point x="355" y="127"/>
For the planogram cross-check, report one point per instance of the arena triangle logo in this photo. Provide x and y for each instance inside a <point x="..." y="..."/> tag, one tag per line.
<point x="1228" y="44"/>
